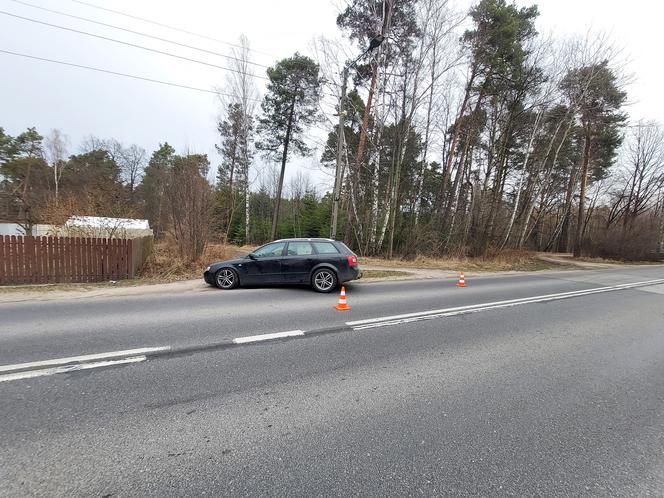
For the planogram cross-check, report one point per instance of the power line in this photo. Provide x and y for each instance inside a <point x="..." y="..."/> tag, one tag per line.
<point x="174" y="28"/>
<point x="135" y="32"/>
<point x="169" y="54"/>
<point x="131" y="45"/>
<point x="151" y="80"/>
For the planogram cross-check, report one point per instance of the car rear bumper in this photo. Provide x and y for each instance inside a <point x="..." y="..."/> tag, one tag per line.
<point x="352" y="273"/>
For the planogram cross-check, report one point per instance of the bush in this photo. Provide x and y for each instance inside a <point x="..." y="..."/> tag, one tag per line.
<point x="167" y="264"/>
<point x="636" y="245"/>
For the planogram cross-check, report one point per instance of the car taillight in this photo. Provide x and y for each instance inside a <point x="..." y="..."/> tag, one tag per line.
<point x="352" y="260"/>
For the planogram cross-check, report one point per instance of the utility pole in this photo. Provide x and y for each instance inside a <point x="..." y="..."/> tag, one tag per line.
<point x="336" y="194"/>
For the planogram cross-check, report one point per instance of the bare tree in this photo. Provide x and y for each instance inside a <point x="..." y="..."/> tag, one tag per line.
<point x="92" y="143"/>
<point x="241" y="102"/>
<point x="55" y="150"/>
<point x="132" y="165"/>
<point x="189" y="196"/>
<point x="641" y="174"/>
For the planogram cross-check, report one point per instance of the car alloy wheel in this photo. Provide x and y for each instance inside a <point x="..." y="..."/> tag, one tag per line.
<point x="324" y="280"/>
<point x="226" y="279"/>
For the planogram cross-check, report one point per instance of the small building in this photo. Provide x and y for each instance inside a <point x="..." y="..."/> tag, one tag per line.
<point x="97" y="226"/>
<point x="16" y="229"/>
<point x="86" y="226"/>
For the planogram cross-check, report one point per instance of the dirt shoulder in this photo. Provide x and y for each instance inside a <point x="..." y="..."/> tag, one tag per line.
<point x="567" y="259"/>
<point x="374" y="270"/>
<point x="103" y="289"/>
<point x="139" y="287"/>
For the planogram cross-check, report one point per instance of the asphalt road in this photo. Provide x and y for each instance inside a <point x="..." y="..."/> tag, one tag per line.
<point x="562" y="398"/>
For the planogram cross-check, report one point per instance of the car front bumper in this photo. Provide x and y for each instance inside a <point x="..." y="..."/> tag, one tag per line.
<point x="208" y="277"/>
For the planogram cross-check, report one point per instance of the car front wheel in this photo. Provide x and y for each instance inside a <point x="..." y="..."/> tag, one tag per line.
<point x="324" y="280"/>
<point x="226" y="278"/>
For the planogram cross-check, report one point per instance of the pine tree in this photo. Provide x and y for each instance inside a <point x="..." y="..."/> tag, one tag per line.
<point x="289" y="107"/>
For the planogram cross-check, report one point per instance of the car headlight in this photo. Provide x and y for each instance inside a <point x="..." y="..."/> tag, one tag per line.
<point x="207" y="269"/>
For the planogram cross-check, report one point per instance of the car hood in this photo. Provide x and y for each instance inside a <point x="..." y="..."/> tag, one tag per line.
<point x="229" y="262"/>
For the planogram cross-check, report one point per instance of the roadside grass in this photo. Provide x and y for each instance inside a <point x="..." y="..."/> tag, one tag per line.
<point x="567" y="258"/>
<point x="506" y="261"/>
<point x="607" y="261"/>
<point x="384" y="273"/>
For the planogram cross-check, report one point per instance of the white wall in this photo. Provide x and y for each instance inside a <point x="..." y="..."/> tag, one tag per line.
<point x="15" y="229"/>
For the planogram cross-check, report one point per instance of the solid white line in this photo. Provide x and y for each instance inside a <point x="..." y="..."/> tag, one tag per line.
<point x="425" y="315"/>
<point x="75" y="359"/>
<point x="29" y="374"/>
<point x="267" y="337"/>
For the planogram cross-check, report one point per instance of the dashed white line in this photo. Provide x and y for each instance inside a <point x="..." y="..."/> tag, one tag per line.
<point x="29" y="374"/>
<point x="267" y="337"/>
<point x="82" y="358"/>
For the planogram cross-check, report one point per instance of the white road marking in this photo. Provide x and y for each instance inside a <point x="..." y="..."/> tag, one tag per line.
<point x="85" y="362"/>
<point x="267" y="337"/>
<point x="428" y="315"/>
<point x="29" y="374"/>
<point x="76" y="359"/>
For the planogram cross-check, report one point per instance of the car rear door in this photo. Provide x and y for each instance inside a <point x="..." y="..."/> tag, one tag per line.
<point x="297" y="262"/>
<point x="328" y="252"/>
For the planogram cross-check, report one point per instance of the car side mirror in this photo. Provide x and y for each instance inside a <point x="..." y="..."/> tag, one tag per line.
<point x="251" y="255"/>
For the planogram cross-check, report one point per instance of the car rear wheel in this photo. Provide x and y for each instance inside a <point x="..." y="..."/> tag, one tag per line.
<point x="226" y="278"/>
<point x="324" y="280"/>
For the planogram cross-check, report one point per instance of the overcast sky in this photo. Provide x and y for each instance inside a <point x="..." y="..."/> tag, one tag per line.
<point x="81" y="102"/>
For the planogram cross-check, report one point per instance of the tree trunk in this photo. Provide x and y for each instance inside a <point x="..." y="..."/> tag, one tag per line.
<point x="521" y="177"/>
<point x="457" y="129"/>
<point x="427" y="129"/>
<point x="361" y="146"/>
<point x="57" y="182"/>
<point x="247" y="224"/>
<point x="582" y="195"/>
<point x="562" y="230"/>
<point x="387" y="20"/>
<point x="465" y="162"/>
<point x="284" y="158"/>
<point x="660" y="247"/>
<point x="540" y="188"/>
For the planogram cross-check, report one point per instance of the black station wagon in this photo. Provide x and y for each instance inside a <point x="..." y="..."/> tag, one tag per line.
<point x="321" y="263"/>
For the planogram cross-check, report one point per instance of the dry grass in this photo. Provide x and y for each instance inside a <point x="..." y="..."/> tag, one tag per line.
<point x="616" y="261"/>
<point x="600" y="261"/>
<point x="384" y="273"/>
<point x="506" y="261"/>
<point x="165" y="265"/>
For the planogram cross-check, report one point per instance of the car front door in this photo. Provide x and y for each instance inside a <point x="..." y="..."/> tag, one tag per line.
<point x="298" y="262"/>
<point x="266" y="267"/>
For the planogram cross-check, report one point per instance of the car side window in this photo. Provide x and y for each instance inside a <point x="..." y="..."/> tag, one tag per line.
<point x="300" y="249"/>
<point x="271" y="250"/>
<point x="326" y="248"/>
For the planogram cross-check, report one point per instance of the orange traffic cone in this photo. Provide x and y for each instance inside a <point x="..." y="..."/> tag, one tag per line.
<point x="462" y="280"/>
<point x="342" y="304"/>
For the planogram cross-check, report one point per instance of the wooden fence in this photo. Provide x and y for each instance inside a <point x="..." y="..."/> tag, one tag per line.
<point x="37" y="260"/>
